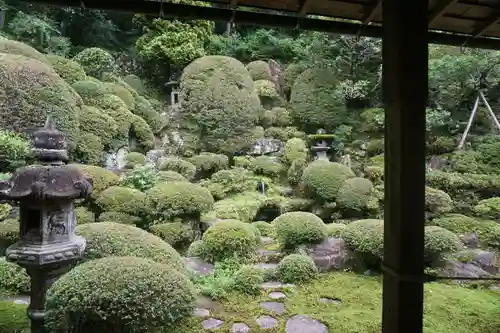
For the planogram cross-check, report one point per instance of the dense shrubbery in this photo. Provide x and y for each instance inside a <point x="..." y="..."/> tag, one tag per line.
<point x="298" y="228"/>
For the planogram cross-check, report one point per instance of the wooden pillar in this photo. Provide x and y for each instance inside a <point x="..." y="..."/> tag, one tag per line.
<point x="405" y="61"/>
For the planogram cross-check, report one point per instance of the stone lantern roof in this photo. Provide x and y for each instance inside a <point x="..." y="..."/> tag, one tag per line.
<point x="51" y="179"/>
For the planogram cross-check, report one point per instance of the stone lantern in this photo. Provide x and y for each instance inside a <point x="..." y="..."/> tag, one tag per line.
<point x="48" y="246"/>
<point x="321" y="147"/>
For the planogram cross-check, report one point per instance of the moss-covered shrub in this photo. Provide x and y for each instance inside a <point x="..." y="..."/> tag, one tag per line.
<point x="298" y="228"/>
<point x="97" y="122"/>
<point x="227" y="239"/>
<point x="13" y="47"/>
<point x="366" y="239"/>
<point x="296" y="268"/>
<point x="178" y="199"/>
<point x="15" y="150"/>
<point x="488" y="208"/>
<point x="277" y="116"/>
<point x="195" y="249"/>
<point x="68" y="69"/>
<point x="266" y="229"/>
<point x="134" y="159"/>
<point x="145" y="110"/>
<point x="277" y="133"/>
<point x="121" y="199"/>
<point x="122" y="92"/>
<point x="89" y="149"/>
<point x="266" y="166"/>
<point x="31" y="91"/>
<point x="247" y="280"/>
<point x="355" y="197"/>
<point x="102" y="178"/>
<point x="13" y="278"/>
<point x="119" y="217"/>
<point x="90" y="90"/>
<point x="9" y="234"/>
<point x="84" y="215"/>
<point x="172" y="163"/>
<point x="143" y="133"/>
<point x="375" y="147"/>
<point x="440" y="145"/>
<point x="116" y="295"/>
<point x="209" y="163"/>
<point x="244" y="206"/>
<point x="375" y="174"/>
<point x="373" y="121"/>
<point x="141" y="178"/>
<point x="295" y="172"/>
<point x="95" y="61"/>
<point x="135" y="82"/>
<point x="439" y="242"/>
<point x="467" y="161"/>
<point x="171" y="176"/>
<point x="5" y="211"/>
<point x="437" y="201"/>
<point x="290" y="74"/>
<point x="107" y="239"/>
<point x="323" y="180"/>
<point x="295" y="150"/>
<point x="315" y="102"/>
<point x="219" y="101"/>
<point x="259" y="70"/>
<point x="176" y="234"/>
<point x="335" y="229"/>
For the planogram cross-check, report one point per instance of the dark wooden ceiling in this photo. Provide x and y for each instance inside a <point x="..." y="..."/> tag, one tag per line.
<point x="473" y="22"/>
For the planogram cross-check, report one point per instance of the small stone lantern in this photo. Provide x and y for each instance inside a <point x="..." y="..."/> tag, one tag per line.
<point x="321" y="148"/>
<point x="48" y="246"/>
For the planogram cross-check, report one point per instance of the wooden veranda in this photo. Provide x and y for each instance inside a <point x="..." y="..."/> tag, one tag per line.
<point x="406" y="28"/>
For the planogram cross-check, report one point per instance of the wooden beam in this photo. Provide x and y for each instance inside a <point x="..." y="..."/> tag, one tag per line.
<point x="491" y="20"/>
<point x="303" y="7"/>
<point x="439" y="10"/>
<point x="370" y="14"/>
<point x="233" y="4"/>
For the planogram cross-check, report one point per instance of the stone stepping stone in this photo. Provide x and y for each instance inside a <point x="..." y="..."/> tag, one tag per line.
<point x="301" y="324"/>
<point x="277" y="295"/>
<point x="202" y="313"/>
<point x="275" y="307"/>
<point x="272" y="285"/>
<point x="268" y="322"/>
<point x="330" y="300"/>
<point x="212" y="324"/>
<point x="265" y="266"/>
<point x="198" y="266"/>
<point x="240" y="328"/>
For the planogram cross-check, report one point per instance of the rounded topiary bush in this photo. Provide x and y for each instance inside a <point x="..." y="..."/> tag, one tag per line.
<point x="97" y="122"/>
<point x="84" y="215"/>
<point x="355" y="196"/>
<point x="440" y="242"/>
<point x="9" y="234"/>
<point x="95" y="61"/>
<point x="296" y="268"/>
<point x="5" y="211"/>
<point x="266" y="229"/>
<point x="144" y="109"/>
<point x="295" y="150"/>
<point x="195" y="249"/>
<point x="32" y="90"/>
<point x="266" y="166"/>
<point x="366" y="239"/>
<point x="277" y="117"/>
<point x="208" y="163"/>
<point x="259" y="70"/>
<point x="297" y="228"/>
<point x="119" y="295"/>
<point x="121" y="199"/>
<point x="120" y="217"/>
<point x="13" y="278"/>
<point x="489" y="208"/>
<point x="68" y="69"/>
<point x="176" y="234"/>
<point x="178" y="199"/>
<point x="247" y="280"/>
<point x="227" y="239"/>
<point x="14" y="47"/>
<point x="102" y="178"/>
<point x="172" y="163"/>
<point x="107" y="239"/>
<point x="171" y="176"/>
<point x="122" y="92"/>
<point x="134" y="159"/>
<point x="437" y="201"/>
<point x="323" y="180"/>
<point x="462" y="224"/>
<point x="335" y="229"/>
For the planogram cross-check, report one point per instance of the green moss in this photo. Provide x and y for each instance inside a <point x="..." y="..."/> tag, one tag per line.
<point x="81" y="298"/>
<point x="259" y="70"/>
<point x="30" y="91"/>
<point x="68" y="69"/>
<point x="95" y="61"/>
<point x="83" y="215"/>
<point x="299" y="228"/>
<point x="97" y="122"/>
<point x="121" y="199"/>
<point x="13" y="318"/>
<point x="108" y="239"/>
<point x="323" y="179"/>
<point x="145" y="110"/>
<point x="462" y="225"/>
<point x="172" y="163"/>
<point x="244" y="206"/>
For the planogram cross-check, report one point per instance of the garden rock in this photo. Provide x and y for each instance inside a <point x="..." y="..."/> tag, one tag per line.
<point x="240" y="328"/>
<point x="275" y="307"/>
<point x="153" y="156"/>
<point x="300" y="324"/>
<point x="454" y="268"/>
<point x="266" y="266"/>
<point x="277" y="295"/>
<point x="486" y="260"/>
<point x="329" y="255"/>
<point x="266" y="322"/>
<point x="202" y="313"/>
<point x="212" y="324"/>
<point x="198" y="266"/>
<point x="471" y="240"/>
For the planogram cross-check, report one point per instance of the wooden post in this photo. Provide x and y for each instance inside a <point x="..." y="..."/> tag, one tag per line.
<point x="405" y="66"/>
<point x="469" y="124"/>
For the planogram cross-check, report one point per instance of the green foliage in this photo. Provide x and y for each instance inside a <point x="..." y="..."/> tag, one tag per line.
<point x="295" y="150"/>
<point x="439" y="242"/>
<point x="296" y="268"/>
<point x="143" y="133"/>
<point x="299" y="228"/>
<point x="355" y="197"/>
<point x="208" y="163"/>
<point x="323" y="179"/>
<point x="171" y="176"/>
<point x="247" y="280"/>
<point x="9" y="234"/>
<point x="108" y="239"/>
<point x="229" y="238"/>
<point x="315" y="103"/>
<point x="119" y="217"/>
<point x="83" y="215"/>
<point x="366" y="239"/>
<point x="121" y="199"/>
<point x="102" y="178"/>
<point x="5" y="210"/>
<point x="144" y="109"/>
<point x="13" y="317"/>
<point x="488" y="208"/>
<point x="13" y="47"/>
<point x="437" y="201"/>
<point x="335" y="229"/>
<point x="142" y="178"/>
<point x="176" y="234"/>
<point x="114" y="295"/>
<point x="259" y="70"/>
<point x="266" y="229"/>
<point x="68" y="69"/>
<point x="172" y="163"/>
<point x="178" y="199"/>
<point x="13" y="278"/>
<point x="266" y="166"/>
<point x="95" y="61"/>
<point x="98" y="122"/>
<point x="14" y="150"/>
<point x="89" y="149"/>
<point x="134" y="159"/>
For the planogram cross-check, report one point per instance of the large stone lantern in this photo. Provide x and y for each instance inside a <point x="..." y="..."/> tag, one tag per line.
<point x="48" y="246"/>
